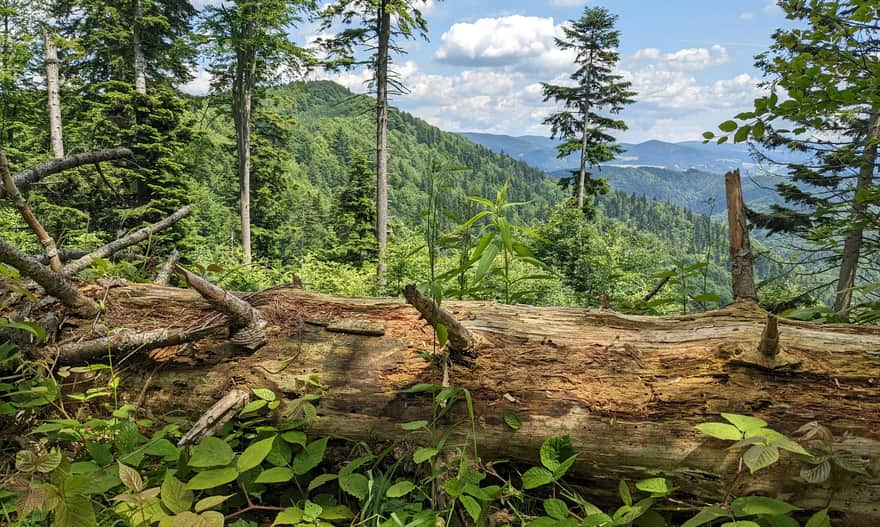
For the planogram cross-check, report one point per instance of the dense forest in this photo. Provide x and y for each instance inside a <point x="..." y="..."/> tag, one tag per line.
<point x="286" y="303"/>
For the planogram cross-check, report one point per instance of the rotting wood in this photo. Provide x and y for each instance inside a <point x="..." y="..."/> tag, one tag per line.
<point x="126" y="241"/>
<point x="54" y="283"/>
<point x="218" y="415"/>
<point x="164" y="275"/>
<point x="247" y="328"/>
<point x="25" y="179"/>
<point x="354" y="326"/>
<point x="628" y="389"/>
<point x="742" y="264"/>
<point x="770" y="337"/>
<point x="128" y="342"/>
<point x="461" y="344"/>
<point x="21" y="204"/>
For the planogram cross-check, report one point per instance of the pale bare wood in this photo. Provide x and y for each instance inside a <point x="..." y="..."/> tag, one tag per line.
<point x="128" y="341"/>
<point x="25" y="179"/>
<point x="215" y="417"/>
<point x="164" y="275"/>
<point x="53" y="89"/>
<point x="742" y="264"/>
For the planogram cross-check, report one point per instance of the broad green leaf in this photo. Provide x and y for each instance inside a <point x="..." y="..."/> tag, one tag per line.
<point x="486" y="261"/>
<point x="536" y="477"/>
<point x="321" y="480"/>
<point x="289" y="516"/>
<point x="817" y="473"/>
<point x="75" y="511"/>
<point x="355" y="484"/>
<point x="473" y="508"/>
<point x="264" y="394"/>
<point x="310" y="456"/>
<point x="625" y="496"/>
<point x="555" y="450"/>
<point x="727" y="126"/>
<point x="175" y="495"/>
<point x="423" y="454"/>
<point x="654" y="486"/>
<point x="162" y="448"/>
<point x="210" y="479"/>
<point x="740" y="523"/>
<point x="414" y="425"/>
<point x="720" y="431"/>
<point x="599" y="519"/>
<point x="706" y="515"/>
<point x="312" y="511"/>
<point x="542" y="521"/>
<point x="253" y="406"/>
<point x="442" y="334"/>
<point x="275" y="475"/>
<point x="255" y="454"/>
<point x="49" y="461"/>
<point x="742" y="134"/>
<point x="211" y="452"/>
<point x="294" y="437"/>
<point x="820" y="519"/>
<point x="130" y="478"/>
<point x="336" y="512"/>
<point x="755" y="505"/>
<point x="399" y="489"/>
<point x="210" y="502"/>
<point x="849" y="462"/>
<point x="744" y="422"/>
<point x="512" y="420"/>
<point x="556" y="508"/>
<point x="760" y="456"/>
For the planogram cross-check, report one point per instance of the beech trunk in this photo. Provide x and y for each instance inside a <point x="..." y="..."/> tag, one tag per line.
<point x="627" y="389"/>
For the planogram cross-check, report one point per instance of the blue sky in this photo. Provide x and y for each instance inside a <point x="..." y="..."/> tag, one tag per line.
<point x="691" y="62"/>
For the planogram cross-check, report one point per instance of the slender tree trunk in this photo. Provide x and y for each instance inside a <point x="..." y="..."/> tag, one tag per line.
<point x="585" y="141"/>
<point x="852" y="247"/>
<point x="140" y="77"/>
<point x="741" y="259"/>
<point x="242" y="88"/>
<point x="53" y="87"/>
<point x="384" y="31"/>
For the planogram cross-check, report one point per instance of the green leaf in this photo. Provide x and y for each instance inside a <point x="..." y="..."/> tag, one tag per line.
<point x="720" y="431"/>
<point x="255" y="454"/>
<point x="816" y="474"/>
<point x="130" y="478"/>
<point x="310" y="456"/>
<point x="294" y="437"/>
<point x="210" y="479"/>
<point x="758" y="130"/>
<point x="253" y="406"/>
<point x="442" y="334"/>
<point x="355" y="484"/>
<point x="38" y="331"/>
<point x="423" y="454"/>
<point x="289" y="516"/>
<point x="556" y="508"/>
<point x="849" y="462"/>
<point x="175" y="495"/>
<point x="744" y="422"/>
<point x="336" y="512"/>
<point x="75" y="511"/>
<point x="760" y="456"/>
<point x="512" y="420"/>
<point x="728" y="126"/>
<point x="625" y="496"/>
<point x="211" y="452"/>
<point x="740" y="523"/>
<point x="312" y="511"/>
<point x="399" y="489"/>
<point x="756" y="505"/>
<point x="210" y="502"/>
<point x="708" y="136"/>
<point x="820" y="519"/>
<point x="49" y="461"/>
<point x="472" y="507"/>
<point x="555" y="450"/>
<point x="536" y="477"/>
<point x="658" y="486"/>
<point x="321" y="480"/>
<point x="599" y="519"/>
<point x="486" y="261"/>
<point x="706" y="515"/>
<point x="414" y="425"/>
<point x="264" y="394"/>
<point x="275" y="475"/>
<point x="742" y="134"/>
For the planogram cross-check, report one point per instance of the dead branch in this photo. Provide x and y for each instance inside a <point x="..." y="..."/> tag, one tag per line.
<point x="218" y="415"/>
<point x="164" y="276"/>
<point x="54" y="283"/>
<point x="128" y="341"/>
<point x="742" y="264"/>
<point x="657" y="288"/>
<point x="27" y="214"/>
<point x="25" y="179"/>
<point x="126" y="241"/>
<point x="248" y="327"/>
<point x="769" y="345"/>
<point x="461" y="343"/>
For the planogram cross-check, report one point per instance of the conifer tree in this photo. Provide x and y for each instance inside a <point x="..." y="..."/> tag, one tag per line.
<point x="596" y="88"/>
<point x="356" y="214"/>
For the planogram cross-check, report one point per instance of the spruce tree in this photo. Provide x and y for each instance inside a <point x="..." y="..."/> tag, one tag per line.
<point x="596" y="88"/>
<point x="356" y="214"/>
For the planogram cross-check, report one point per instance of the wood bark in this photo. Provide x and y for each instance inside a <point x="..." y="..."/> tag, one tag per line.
<point x="25" y="179"/>
<point x="627" y="389"/>
<point x="164" y="275"/>
<point x="585" y="138"/>
<point x="742" y="268"/>
<point x="54" y="95"/>
<point x="242" y="100"/>
<point x="383" y="20"/>
<point x="852" y="246"/>
<point x="140" y="76"/>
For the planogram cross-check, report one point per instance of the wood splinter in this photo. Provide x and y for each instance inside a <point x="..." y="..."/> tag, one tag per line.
<point x="218" y="415"/>
<point x="741" y="259"/>
<point x="461" y="343"/>
<point x="164" y="276"/>
<point x="248" y="327"/>
<point x="769" y="345"/>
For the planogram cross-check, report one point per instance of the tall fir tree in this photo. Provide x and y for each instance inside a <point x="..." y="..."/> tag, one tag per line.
<point x="596" y="88"/>
<point x="356" y="214"/>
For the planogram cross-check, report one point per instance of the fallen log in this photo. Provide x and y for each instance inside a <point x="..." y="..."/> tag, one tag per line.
<point x="629" y="390"/>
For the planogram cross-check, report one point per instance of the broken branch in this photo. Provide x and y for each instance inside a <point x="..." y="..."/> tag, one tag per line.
<point x="215" y="417"/>
<point x="54" y="283"/>
<point x="164" y="276"/>
<point x="742" y="269"/>
<point x="27" y="178"/>
<point x="128" y="341"/>
<point x="126" y="241"/>
<point x="27" y="214"/>
<point x="461" y="343"/>
<point x="248" y="327"/>
<point x="769" y="345"/>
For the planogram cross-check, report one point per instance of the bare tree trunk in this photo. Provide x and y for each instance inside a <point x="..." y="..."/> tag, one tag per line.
<point x="242" y="98"/>
<point x="741" y="260"/>
<point x="54" y="92"/>
<point x="381" y="73"/>
<point x="852" y="247"/>
<point x="140" y="76"/>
